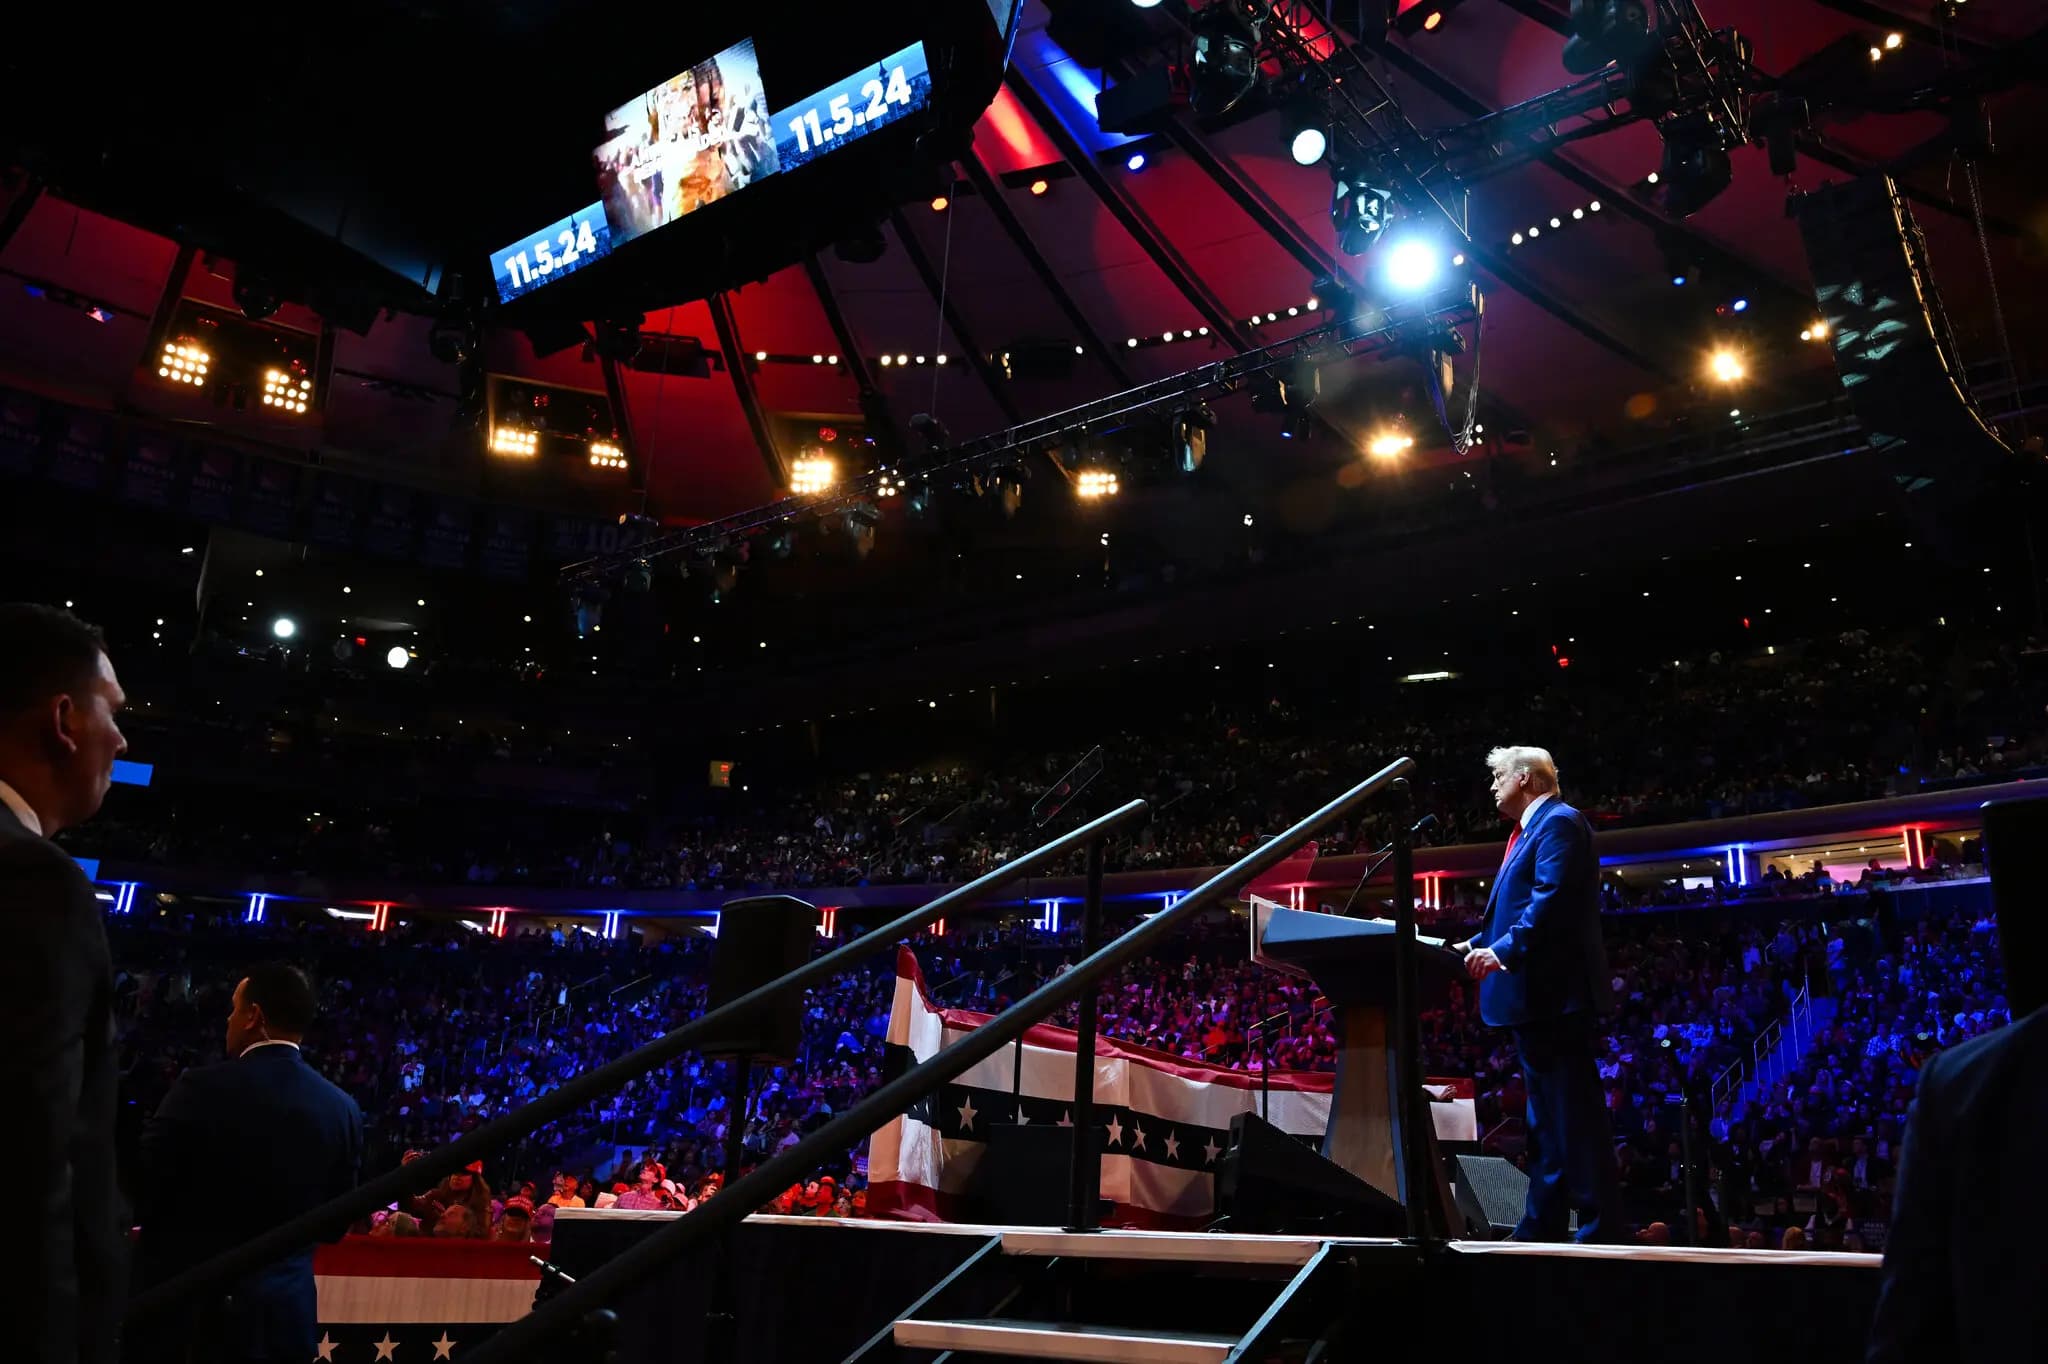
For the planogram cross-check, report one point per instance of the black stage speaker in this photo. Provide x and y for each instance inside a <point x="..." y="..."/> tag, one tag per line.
<point x="1270" y="1182"/>
<point x="1891" y="339"/>
<point x="1022" y="1178"/>
<point x="759" y="940"/>
<point x="2016" y="848"/>
<point x="1491" y="1194"/>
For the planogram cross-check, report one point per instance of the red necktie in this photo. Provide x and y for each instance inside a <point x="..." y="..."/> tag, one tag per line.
<point x="1513" y="834"/>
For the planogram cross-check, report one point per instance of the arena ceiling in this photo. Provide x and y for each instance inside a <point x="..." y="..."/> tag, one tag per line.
<point x="1586" y="338"/>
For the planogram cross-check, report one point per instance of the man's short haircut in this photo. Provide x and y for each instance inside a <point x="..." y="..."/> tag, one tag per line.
<point x="1522" y="758"/>
<point x="285" y="995"/>
<point x="44" y="652"/>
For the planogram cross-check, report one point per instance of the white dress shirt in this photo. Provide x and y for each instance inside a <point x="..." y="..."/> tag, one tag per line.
<point x="1530" y="809"/>
<point x="268" y="1042"/>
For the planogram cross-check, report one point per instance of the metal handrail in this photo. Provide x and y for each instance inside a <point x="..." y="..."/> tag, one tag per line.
<point x="323" y="1221"/>
<point x="733" y="1203"/>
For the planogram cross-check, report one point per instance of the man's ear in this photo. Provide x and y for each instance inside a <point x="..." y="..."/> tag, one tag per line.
<point x="63" y="720"/>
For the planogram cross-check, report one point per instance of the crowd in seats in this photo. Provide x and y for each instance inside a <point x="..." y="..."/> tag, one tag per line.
<point x="1829" y="720"/>
<point x="1817" y="1152"/>
<point x="434" y="1030"/>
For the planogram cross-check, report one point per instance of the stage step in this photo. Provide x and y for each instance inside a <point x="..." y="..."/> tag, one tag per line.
<point x="1162" y="1247"/>
<point x="1064" y="1341"/>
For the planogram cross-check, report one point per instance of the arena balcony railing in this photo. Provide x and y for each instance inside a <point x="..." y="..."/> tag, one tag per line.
<point x="580" y="1309"/>
<point x="332" y="1218"/>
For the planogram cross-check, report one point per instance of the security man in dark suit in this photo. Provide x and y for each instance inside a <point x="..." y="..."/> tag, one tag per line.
<point x="237" y="1149"/>
<point x="58" y="1077"/>
<point x="1964" y="1263"/>
<point x="1543" y="974"/>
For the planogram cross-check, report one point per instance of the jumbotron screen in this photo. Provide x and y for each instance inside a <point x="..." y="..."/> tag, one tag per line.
<point x="700" y="137"/>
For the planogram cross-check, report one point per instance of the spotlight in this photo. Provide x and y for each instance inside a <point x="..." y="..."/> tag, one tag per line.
<point x="1817" y="332"/>
<point x="1226" y="60"/>
<point x="284" y="627"/>
<point x="1893" y="41"/>
<point x="254" y="295"/>
<point x="812" y="473"/>
<point x="1135" y="161"/>
<point x="1604" y="31"/>
<point x="1093" y="484"/>
<point x="1727" y="367"/>
<point x="1412" y="265"/>
<point x="514" y="441"/>
<point x="1359" y="212"/>
<point x="605" y="454"/>
<point x="1678" y="281"/>
<point x="939" y="202"/>
<point x="182" y="362"/>
<point x="397" y="657"/>
<point x="1740" y="305"/>
<point x="1307" y="130"/>
<point x="1041" y="186"/>
<point x="1695" y="168"/>
<point x="1389" y="445"/>
<point x="1146" y="4"/>
<point x="1191" y="428"/>
<point x="284" y="391"/>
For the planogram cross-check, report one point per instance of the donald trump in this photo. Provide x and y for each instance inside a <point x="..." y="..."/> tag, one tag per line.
<point x="1543" y="976"/>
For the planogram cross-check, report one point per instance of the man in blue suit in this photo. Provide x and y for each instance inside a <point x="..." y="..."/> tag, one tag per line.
<point x="236" y="1149"/>
<point x="1543" y="975"/>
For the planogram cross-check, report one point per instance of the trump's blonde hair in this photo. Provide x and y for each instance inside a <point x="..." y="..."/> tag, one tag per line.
<point x="1535" y="762"/>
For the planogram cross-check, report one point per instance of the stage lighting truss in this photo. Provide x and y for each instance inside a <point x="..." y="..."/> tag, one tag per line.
<point x="515" y="441"/>
<point x="605" y="454"/>
<point x="183" y="362"/>
<point x="995" y="463"/>
<point x="284" y="391"/>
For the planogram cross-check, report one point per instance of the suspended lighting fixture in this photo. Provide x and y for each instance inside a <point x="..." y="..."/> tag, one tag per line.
<point x="1226" y="60"/>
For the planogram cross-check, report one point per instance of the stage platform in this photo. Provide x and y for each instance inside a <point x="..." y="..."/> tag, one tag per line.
<point x="822" y="1289"/>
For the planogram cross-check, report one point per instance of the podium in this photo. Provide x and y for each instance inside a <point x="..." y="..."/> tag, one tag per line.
<point x="1352" y="962"/>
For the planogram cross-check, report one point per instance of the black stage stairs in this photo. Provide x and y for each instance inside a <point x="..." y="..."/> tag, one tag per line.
<point x="1129" y="1297"/>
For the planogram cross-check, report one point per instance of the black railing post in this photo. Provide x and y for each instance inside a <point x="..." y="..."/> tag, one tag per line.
<point x="1692" y="1203"/>
<point x="1418" y="1182"/>
<point x="1085" y="1186"/>
<point x="722" y="1321"/>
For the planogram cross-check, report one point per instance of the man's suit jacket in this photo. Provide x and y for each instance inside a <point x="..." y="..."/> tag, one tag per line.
<point x="236" y="1149"/>
<point x="1965" y="1262"/>
<point x="58" y="1080"/>
<point x="1543" y="922"/>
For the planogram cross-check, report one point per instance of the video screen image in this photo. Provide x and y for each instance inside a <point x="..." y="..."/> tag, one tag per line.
<point x="871" y="98"/>
<point x="688" y="142"/>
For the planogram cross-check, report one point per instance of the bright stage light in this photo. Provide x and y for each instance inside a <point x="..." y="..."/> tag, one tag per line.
<point x="1412" y="265"/>
<point x="508" y="440"/>
<point x="1135" y="161"/>
<point x="284" y="627"/>
<point x="397" y="657"/>
<point x="1095" y="483"/>
<point x="811" y="474"/>
<point x="183" y="363"/>
<point x="1041" y="186"/>
<point x="1727" y="367"/>
<point x="1389" y="445"/>
<point x="285" y="392"/>
<point x="605" y="455"/>
<point x="1308" y="145"/>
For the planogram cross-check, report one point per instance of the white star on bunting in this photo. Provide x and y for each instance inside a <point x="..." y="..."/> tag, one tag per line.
<point x="1172" y="1146"/>
<point x="1210" y="1150"/>
<point x="385" y="1346"/>
<point x="1116" y="1131"/>
<point x="324" y="1351"/>
<point x="1067" y="1118"/>
<point x="1023" y="1118"/>
<point x="967" y="1112"/>
<point x="1138" y="1136"/>
<point x="444" y="1348"/>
